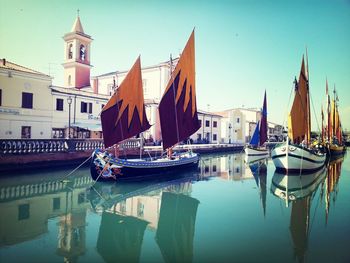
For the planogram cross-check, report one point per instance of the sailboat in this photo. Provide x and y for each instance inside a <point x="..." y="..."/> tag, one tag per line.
<point x="334" y="140"/>
<point x="124" y="117"/>
<point x="256" y="145"/>
<point x="299" y="156"/>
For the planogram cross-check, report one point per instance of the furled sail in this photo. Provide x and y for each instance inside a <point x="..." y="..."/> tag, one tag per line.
<point x="299" y="116"/>
<point x="177" y="108"/>
<point x="124" y="115"/>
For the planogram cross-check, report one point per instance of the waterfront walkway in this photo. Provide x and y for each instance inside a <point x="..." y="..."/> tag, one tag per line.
<point x="29" y="154"/>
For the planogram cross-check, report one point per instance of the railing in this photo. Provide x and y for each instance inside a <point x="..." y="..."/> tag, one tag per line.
<point x="35" y="146"/>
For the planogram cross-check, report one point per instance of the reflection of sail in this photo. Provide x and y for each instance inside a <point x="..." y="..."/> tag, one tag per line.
<point x="259" y="171"/>
<point x="120" y="237"/>
<point x="332" y="179"/>
<point x="299" y="226"/>
<point x="176" y="225"/>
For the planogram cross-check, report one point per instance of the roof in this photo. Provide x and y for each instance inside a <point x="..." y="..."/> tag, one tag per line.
<point x="5" y="64"/>
<point x="77" y="27"/>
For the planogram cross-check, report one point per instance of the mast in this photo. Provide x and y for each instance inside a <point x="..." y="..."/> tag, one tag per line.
<point x="308" y="135"/>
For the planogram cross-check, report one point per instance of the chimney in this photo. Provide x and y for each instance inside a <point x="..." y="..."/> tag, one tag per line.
<point x="4" y="62"/>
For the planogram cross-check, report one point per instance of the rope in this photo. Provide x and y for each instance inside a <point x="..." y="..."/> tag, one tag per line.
<point x="76" y="168"/>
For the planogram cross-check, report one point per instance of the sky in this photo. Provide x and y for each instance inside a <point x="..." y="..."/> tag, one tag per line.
<point x="243" y="47"/>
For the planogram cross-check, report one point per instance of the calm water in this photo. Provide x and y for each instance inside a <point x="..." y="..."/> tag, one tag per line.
<point x="226" y="212"/>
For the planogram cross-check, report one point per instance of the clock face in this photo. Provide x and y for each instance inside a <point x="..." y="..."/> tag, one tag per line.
<point x="27" y="85"/>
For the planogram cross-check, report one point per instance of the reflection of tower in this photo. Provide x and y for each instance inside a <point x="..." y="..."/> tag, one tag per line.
<point x="176" y="225"/>
<point x="299" y="226"/>
<point x="71" y="237"/>
<point x="262" y="176"/>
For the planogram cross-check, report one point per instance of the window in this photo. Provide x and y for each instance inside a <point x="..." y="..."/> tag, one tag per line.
<point x="86" y="107"/>
<point x="237" y="120"/>
<point x="215" y="124"/>
<point x="199" y="137"/>
<point x="59" y="104"/>
<point x="140" y="209"/>
<point x="207" y="123"/>
<point x="200" y="123"/>
<point x="23" y="211"/>
<point x="69" y="80"/>
<point x="27" y="100"/>
<point x="26" y="134"/>
<point x="56" y="203"/>
<point x="214" y="137"/>
<point x="0" y="97"/>
<point x="214" y="168"/>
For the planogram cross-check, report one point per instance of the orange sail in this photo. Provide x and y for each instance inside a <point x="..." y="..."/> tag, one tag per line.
<point x="299" y="116"/>
<point x="124" y="115"/>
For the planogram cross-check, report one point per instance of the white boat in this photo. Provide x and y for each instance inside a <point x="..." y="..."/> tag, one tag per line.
<point x="301" y="155"/>
<point x="257" y="144"/>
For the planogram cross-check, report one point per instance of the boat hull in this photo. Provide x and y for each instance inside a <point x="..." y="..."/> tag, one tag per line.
<point x="250" y="151"/>
<point x="296" y="159"/>
<point x="335" y="150"/>
<point x="106" y="167"/>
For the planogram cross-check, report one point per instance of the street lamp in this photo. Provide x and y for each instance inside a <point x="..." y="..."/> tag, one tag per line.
<point x="69" y="101"/>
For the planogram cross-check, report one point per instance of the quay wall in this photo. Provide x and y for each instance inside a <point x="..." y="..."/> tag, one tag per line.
<point x="34" y="154"/>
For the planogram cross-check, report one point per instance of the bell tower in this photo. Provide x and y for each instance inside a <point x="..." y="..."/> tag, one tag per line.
<point x="77" y="57"/>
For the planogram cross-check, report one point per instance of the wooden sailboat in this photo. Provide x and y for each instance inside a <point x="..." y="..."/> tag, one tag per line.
<point x="124" y="117"/>
<point x="334" y="141"/>
<point x="300" y="155"/>
<point x="256" y="145"/>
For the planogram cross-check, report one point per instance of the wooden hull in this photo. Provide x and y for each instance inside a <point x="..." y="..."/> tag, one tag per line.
<point x="250" y="151"/>
<point x="335" y="150"/>
<point x="296" y="159"/>
<point x="106" y="167"/>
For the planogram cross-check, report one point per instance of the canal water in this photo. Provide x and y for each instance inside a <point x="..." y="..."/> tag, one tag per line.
<point x="227" y="211"/>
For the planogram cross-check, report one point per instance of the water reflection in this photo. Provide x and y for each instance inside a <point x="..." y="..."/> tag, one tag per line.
<point x="300" y="191"/>
<point x="122" y="221"/>
<point x="30" y="201"/>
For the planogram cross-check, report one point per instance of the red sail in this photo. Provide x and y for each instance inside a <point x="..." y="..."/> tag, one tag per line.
<point x="124" y="115"/>
<point x="177" y="108"/>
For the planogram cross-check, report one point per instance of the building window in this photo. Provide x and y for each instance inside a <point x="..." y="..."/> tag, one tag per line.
<point x="69" y="80"/>
<point x="23" y="211"/>
<point x="26" y="134"/>
<point x="56" y="203"/>
<point x="199" y="137"/>
<point x="81" y="198"/>
<point x="214" y="168"/>
<point x="237" y="120"/>
<point x="27" y="100"/>
<point x="215" y="124"/>
<point x="207" y="123"/>
<point x="0" y="97"/>
<point x="86" y="107"/>
<point x="200" y="123"/>
<point x="214" y="137"/>
<point x="140" y="209"/>
<point x="59" y="104"/>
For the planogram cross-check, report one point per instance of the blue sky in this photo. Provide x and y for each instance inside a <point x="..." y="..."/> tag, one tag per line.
<point x="242" y="47"/>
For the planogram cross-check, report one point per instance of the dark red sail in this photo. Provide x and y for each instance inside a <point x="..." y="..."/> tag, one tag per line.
<point x="124" y="115"/>
<point x="177" y="108"/>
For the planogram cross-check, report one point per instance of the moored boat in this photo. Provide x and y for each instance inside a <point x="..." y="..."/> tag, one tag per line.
<point x="124" y="117"/>
<point x="301" y="155"/>
<point x="257" y="146"/>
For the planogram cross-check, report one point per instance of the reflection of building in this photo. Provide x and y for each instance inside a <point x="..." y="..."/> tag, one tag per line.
<point x="29" y="203"/>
